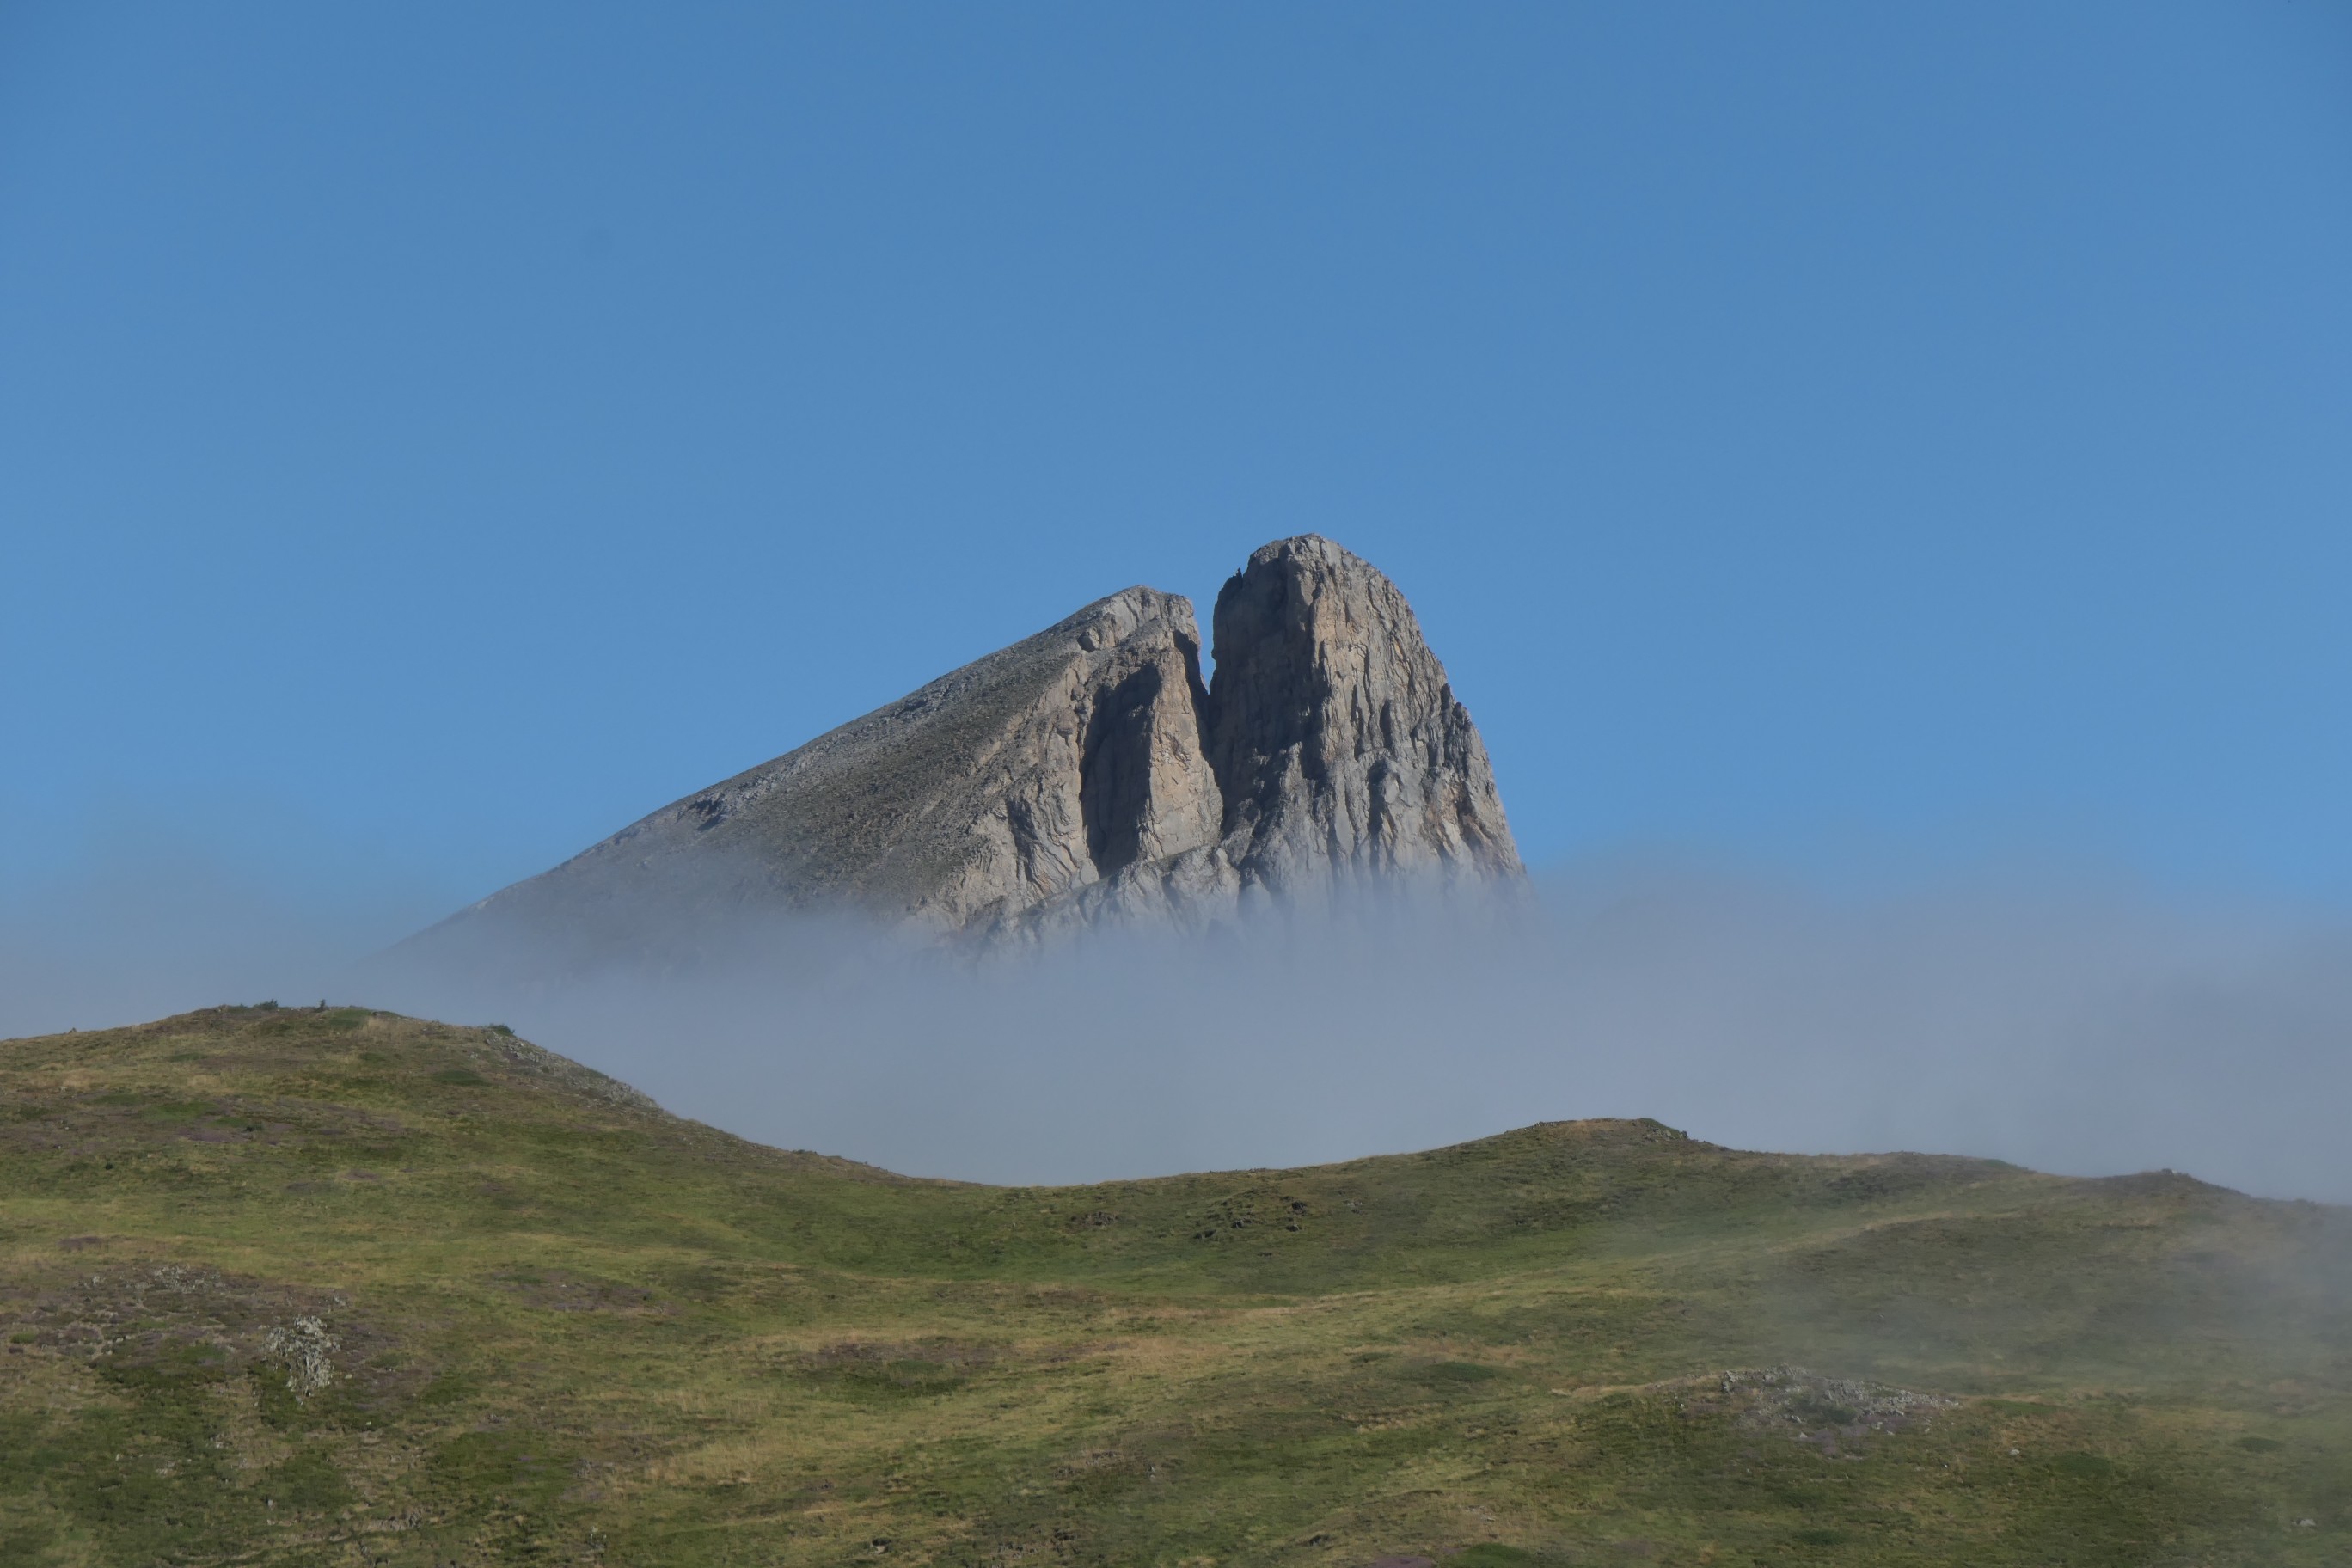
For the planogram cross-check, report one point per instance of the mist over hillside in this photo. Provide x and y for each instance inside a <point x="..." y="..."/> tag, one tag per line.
<point x="296" y="1285"/>
<point x="2075" y="1031"/>
<point x="2090" y="1030"/>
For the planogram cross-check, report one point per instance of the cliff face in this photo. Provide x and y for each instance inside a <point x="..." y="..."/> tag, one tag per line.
<point x="1335" y="733"/>
<point x="1079" y="777"/>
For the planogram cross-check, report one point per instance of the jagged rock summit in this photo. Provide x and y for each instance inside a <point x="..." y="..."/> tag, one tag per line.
<point x="1082" y="776"/>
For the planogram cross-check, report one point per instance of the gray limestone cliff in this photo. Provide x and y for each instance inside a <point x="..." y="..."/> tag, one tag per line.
<point x="1083" y="776"/>
<point x="1335" y="731"/>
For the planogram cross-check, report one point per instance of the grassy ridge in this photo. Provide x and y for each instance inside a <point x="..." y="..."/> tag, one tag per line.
<point x="296" y="1287"/>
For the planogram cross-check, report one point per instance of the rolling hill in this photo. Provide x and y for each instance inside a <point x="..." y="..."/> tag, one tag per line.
<point x="333" y="1286"/>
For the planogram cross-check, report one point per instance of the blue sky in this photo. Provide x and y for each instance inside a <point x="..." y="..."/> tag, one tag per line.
<point x="1815" y="435"/>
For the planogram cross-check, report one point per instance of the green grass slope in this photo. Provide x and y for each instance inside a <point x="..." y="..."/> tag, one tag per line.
<point x="289" y="1287"/>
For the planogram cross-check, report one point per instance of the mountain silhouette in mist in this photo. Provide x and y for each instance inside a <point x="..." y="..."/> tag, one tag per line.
<point x="1081" y="778"/>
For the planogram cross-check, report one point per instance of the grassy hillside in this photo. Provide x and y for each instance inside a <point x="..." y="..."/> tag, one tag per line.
<point x="339" y="1286"/>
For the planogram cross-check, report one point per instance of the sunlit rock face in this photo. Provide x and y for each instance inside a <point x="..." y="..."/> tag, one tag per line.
<point x="1082" y="777"/>
<point x="1334" y="734"/>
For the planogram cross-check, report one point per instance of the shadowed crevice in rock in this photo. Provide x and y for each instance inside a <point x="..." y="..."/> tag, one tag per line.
<point x="1080" y="777"/>
<point x="1141" y="792"/>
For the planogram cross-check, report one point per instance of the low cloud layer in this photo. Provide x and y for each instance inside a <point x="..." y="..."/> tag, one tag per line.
<point x="2081" y="1031"/>
<point x="2070" y="1029"/>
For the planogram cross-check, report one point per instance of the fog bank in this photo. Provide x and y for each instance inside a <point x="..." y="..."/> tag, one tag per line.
<point x="2073" y="1030"/>
<point x="2083" y="1030"/>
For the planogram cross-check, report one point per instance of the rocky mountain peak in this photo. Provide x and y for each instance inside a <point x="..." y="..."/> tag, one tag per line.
<point x="1079" y="777"/>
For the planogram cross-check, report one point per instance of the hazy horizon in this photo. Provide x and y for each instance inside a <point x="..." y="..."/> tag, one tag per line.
<point x="2078" y="1026"/>
<point x="1876" y="478"/>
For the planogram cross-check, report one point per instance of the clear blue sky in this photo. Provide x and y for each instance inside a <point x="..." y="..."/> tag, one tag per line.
<point x="433" y="436"/>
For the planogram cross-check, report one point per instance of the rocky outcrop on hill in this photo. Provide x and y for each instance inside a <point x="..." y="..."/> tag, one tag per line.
<point x="1082" y="776"/>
